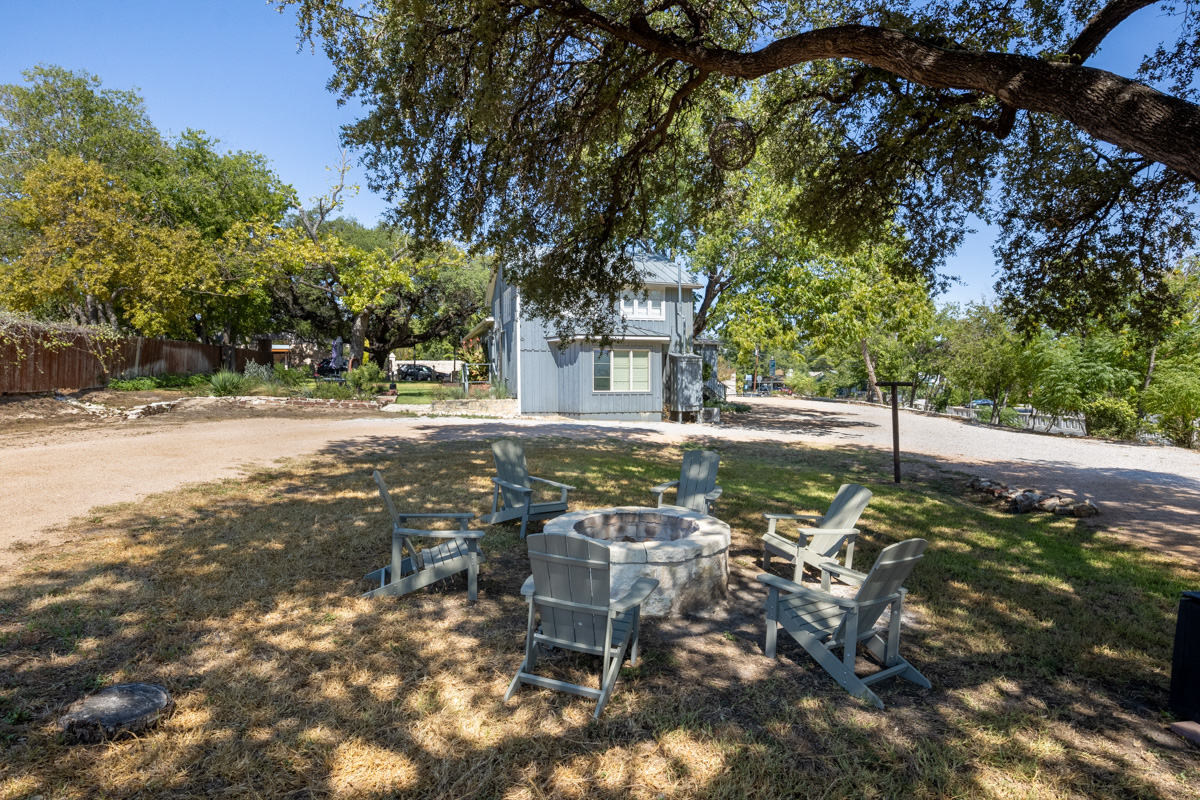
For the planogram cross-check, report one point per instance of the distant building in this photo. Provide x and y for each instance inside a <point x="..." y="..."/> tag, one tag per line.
<point x="650" y="364"/>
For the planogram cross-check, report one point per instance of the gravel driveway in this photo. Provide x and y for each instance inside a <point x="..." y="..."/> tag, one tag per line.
<point x="1151" y="494"/>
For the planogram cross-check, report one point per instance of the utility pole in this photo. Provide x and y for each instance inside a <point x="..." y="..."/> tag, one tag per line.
<point x="754" y="384"/>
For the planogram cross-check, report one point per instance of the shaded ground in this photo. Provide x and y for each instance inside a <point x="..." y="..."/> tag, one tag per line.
<point x="1047" y="643"/>
<point x="1149" y="494"/>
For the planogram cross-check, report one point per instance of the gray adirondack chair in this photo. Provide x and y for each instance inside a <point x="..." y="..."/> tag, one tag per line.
<point x="834" y="529"/>
<point x="822" y="622"/>
<point x="512" y="495"/>
<point x="412" y="569"/>
<point x="697" y="487"/>
<point x="569" y="592"/>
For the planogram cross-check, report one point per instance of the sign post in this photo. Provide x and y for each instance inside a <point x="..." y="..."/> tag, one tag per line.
<point x="895" y="423"/>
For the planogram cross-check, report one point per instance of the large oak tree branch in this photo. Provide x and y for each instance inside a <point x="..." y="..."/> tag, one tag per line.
<point x="1111" y="108"/>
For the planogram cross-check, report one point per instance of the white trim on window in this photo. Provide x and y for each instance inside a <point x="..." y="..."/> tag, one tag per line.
<point x="628" y="369"/>
<point x="651" y="305"/>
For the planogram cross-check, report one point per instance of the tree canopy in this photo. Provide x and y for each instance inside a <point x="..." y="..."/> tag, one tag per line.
<point x="579" y="125"/>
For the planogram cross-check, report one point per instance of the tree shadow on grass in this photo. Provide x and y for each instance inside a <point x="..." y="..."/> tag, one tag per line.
<point x="1045" y="647"/>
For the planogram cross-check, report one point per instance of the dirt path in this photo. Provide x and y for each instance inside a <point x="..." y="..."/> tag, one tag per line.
<point x="50" y="477"/>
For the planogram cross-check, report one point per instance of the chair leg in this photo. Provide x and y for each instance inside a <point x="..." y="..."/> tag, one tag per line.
<point x="473" y="577"/>
<point x="634" y="630"/>
<point x="525" y="516"/>
<point x="772" y="622"/>
<point x="613" y="669"/>
<point x="529" y="662"/>
<point x="836" y="668"/>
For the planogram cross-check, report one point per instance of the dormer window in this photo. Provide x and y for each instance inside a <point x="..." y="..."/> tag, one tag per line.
<point x="648" y="306"/>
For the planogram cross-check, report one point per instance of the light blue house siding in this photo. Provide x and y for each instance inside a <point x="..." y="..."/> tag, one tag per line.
<point x="550" y="377"/>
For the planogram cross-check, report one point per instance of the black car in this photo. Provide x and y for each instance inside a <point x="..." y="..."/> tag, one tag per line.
<point x="418" y="372"/>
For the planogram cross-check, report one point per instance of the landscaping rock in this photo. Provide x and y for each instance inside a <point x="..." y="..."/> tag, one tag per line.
<point x="1085" y="509"/>
<point x="1049" y="503"/>
<point x="1064" y="510"/>
<point x="115" y="712"/>
<point x="1024" y="502"/>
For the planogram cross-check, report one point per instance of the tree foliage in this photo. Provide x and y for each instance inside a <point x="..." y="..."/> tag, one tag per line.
<point x="582" y="127"/>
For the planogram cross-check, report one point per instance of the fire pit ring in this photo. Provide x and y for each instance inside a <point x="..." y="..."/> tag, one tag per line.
<point x="686" y="551"/>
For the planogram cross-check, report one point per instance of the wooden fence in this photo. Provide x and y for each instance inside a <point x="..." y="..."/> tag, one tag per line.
<point x="41" y="362"/>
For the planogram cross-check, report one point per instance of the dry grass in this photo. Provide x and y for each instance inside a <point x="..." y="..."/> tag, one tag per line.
<point x="1047" y="643"/>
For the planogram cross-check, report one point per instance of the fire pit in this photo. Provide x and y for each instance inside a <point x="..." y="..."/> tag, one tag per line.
<point x="686" y="551"/>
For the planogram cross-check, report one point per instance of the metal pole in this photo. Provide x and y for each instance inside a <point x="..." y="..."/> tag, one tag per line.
<point x="895" y="434"/>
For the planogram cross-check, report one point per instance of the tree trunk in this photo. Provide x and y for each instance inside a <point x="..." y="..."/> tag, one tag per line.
<point x="1150" y="369"/>
<point x="358" y="334"/>
<point x="872" y="388"/>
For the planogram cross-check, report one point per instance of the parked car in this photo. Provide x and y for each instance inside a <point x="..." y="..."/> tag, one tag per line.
<point x="979" y="403"/>
<point x="419" y="372"/>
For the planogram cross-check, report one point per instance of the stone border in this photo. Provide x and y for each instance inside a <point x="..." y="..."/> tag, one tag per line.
<point x="254" y="400"/>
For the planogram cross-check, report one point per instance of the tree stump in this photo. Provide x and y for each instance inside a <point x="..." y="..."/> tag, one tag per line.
<point x="116" y="712"/>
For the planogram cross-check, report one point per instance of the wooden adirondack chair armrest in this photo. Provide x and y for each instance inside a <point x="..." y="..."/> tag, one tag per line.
<point x="845" y="574"/>
<point x="438" y="534"/>
<point x="527" y="587"/>
<point x="776" y="582"/>
<point x="714" y="495"/>
<point x="552" y="483"/>
<point x="795" y="517"/>
<point x="636" y="595"/>
<point x="662" y="487"/>
<point x="440" y="515"/>
<point x="792" y="589"/>
<point x="514" y="487"/>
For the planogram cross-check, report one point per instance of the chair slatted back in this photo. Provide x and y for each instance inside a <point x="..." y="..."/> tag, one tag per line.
<point x="843" y="513"/>
<point x="697" y="478"/>
<point x="509" y="455"/>
<point x="891" y="569"/>
<point x="572" y="568"/>
<point x="387" y="499"/>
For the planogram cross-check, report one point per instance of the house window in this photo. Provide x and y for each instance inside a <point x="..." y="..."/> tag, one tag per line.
<point x="649" y="307"/>
<point x="621" y="371"/>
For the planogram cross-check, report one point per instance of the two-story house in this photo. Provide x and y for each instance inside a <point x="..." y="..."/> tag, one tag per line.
<point x="629" y="380"/>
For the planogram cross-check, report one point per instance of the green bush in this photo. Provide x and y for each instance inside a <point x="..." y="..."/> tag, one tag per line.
<point x="226" y="383"/>
<point x="328" y="391"/>
<point x="802" y="383"/>
<point x="1174" y="396"/>
<point x="361" y="381"/>
<point x="287" y="377"/>
<point x="168" y="381"/>
<point x="727" y="407"/>
<point x="257" y="373"/>
<point x="1112" y="417"/>
<point x="1011" y="419"/>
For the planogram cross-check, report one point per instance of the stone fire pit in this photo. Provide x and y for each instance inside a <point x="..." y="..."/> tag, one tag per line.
<point x="686" y="551"/>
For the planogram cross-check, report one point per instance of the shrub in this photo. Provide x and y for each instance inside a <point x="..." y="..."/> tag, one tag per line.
<point x="328" y="391"/>
<point x="361" y="381"/>
<point x="1174" y="395"/>
<point x="440" y="393"/>
<point x="226" y="383"/>
<point x="802" y="383"/>
<point x="499" y="391"/>
<point x="727" y="407"/>
<point x="1112" y="417"/>
<point x="1011" y="419"/>
<point x="287" y="377"/>
<point x="256" y="373"/>
<point x="168" y="381"/>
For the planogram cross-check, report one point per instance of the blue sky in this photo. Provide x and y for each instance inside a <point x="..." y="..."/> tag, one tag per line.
<point x="232" y="68"/>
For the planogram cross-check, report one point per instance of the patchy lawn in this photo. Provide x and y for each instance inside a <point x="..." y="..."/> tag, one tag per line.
<point x="416" y="393"/>
<point x="1048" y="645"/>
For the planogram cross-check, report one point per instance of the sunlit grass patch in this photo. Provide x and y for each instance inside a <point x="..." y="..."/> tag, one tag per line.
<point x="1048" y="644"/>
